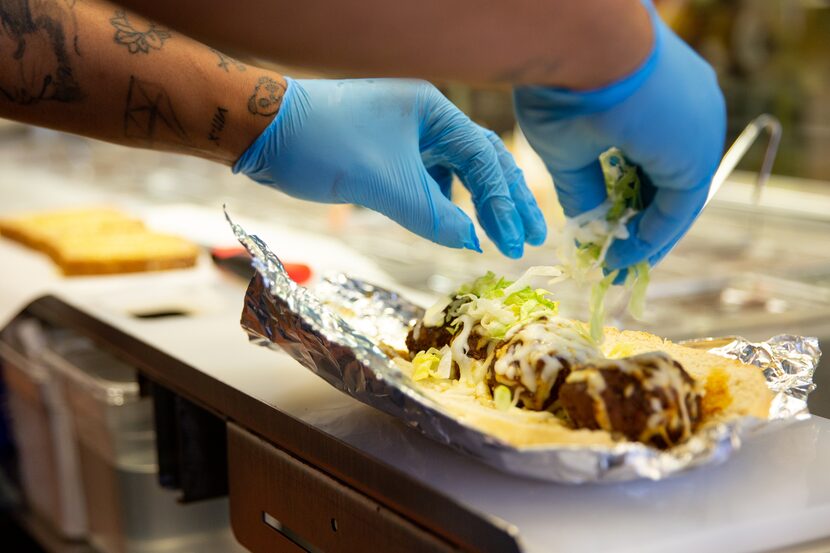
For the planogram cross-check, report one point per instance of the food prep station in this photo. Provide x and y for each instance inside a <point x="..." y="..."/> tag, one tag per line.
<point x="163" y="385"/>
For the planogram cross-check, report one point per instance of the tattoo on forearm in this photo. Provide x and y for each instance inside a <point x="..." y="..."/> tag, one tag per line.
<point x="71" y="5"/>
<point x="138" y="35"/>
<point x="149" y="115"/>
<point x="225" y="61"/>
<point x="267" y="97"/>
<point x="217" y="125"/>
<point x="38" y="47"/>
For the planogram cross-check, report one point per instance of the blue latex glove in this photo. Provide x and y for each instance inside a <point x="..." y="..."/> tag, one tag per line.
<point x="668" y="117"/>
<point x="392" y="146"/>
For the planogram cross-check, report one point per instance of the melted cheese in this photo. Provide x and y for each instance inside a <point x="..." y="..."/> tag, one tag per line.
<point x="542" y="343"/>
<point x="655" y="372"/>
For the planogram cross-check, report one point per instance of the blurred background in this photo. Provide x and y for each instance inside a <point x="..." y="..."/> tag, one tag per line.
<point x="771" y="56"/>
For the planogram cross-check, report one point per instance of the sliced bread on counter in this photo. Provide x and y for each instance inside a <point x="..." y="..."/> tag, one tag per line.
<point x="123" y="253"/>
<point x="98" y="241"/>
<point x="38" y="230"/>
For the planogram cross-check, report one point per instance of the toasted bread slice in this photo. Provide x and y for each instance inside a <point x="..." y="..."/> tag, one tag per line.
<point x="126" y="252"/>
<point x="99" y="241"/>
<point x="40" y="230"/>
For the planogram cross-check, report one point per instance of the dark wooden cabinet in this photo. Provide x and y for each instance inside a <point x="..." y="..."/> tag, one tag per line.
<point x="279" y="503"/>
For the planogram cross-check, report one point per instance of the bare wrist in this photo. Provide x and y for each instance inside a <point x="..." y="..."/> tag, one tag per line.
<point x="618" y="38"/>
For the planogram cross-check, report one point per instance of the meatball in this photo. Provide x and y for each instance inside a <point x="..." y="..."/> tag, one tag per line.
<point x="421" y="338"/>
<point x="536" y="359"/>
<point x="542" y="393"/>
<point x="647" y="398"/>
<point x="478" y="345"/>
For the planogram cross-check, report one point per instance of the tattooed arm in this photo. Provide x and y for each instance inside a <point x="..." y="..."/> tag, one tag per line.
<point x="389" y="145"/>
<point x="94" y="69"/>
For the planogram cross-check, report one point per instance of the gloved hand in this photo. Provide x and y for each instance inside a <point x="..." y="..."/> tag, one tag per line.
<point x="668" y="117"/>
<point x="392" y="146"/>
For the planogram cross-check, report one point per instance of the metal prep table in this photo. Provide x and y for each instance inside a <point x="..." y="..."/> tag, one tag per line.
<point x="311" y="466"/>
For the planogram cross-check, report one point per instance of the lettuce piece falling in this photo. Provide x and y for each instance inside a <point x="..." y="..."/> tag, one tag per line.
<point x="586" y="239"/>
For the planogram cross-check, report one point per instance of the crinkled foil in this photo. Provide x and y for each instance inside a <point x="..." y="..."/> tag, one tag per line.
<point x="340" y="332"/>
<point x="788" y="362"/>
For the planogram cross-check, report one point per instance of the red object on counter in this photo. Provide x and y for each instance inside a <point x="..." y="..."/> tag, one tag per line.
<point x="298" y="272"/>
<point x="238" y="260"/>
<point x="228" y="252"/>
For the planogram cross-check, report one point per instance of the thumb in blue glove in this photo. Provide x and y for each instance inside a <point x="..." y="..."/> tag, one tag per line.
<point x="393" y="146"/>
<point x="668" y="117"/>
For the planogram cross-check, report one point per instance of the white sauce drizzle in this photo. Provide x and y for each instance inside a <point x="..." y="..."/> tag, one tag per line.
<point x="459" y="347"/>
<point x="666" y="376"/>
<point x="542" y="341"/>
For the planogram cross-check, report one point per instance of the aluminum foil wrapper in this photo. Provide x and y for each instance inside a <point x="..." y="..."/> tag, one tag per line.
<point x="341" y="330"/>
<point x="788" y="362"/>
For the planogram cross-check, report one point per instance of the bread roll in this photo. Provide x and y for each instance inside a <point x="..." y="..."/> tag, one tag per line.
<point x="730" y="389"/>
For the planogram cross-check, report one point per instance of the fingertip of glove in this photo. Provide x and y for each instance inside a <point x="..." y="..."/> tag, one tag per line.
<point x="503" y="224"/>
<point x="513" y="251"/>
<point x="537" y="231"/>
<point x="536" y="240"/>
<point x="471" y="242"/>
<point x="456" y="230"/>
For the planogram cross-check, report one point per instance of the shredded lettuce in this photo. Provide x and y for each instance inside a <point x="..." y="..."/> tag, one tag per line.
<point x="498" y="304"/>
<point x="502" y="397"/>
<point x="531" y="276"/>
<point x="434" y="315"/>
<point x="425" y="364"/>
<point x="637" y="281"/>
<point x="527" y="299"/>
<point x="487" y="286"/>
<point x="622" y="184"/>
<point x="597" y="306"/>
<point x="432" y="363"/>
<point x="586" y="239"/>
